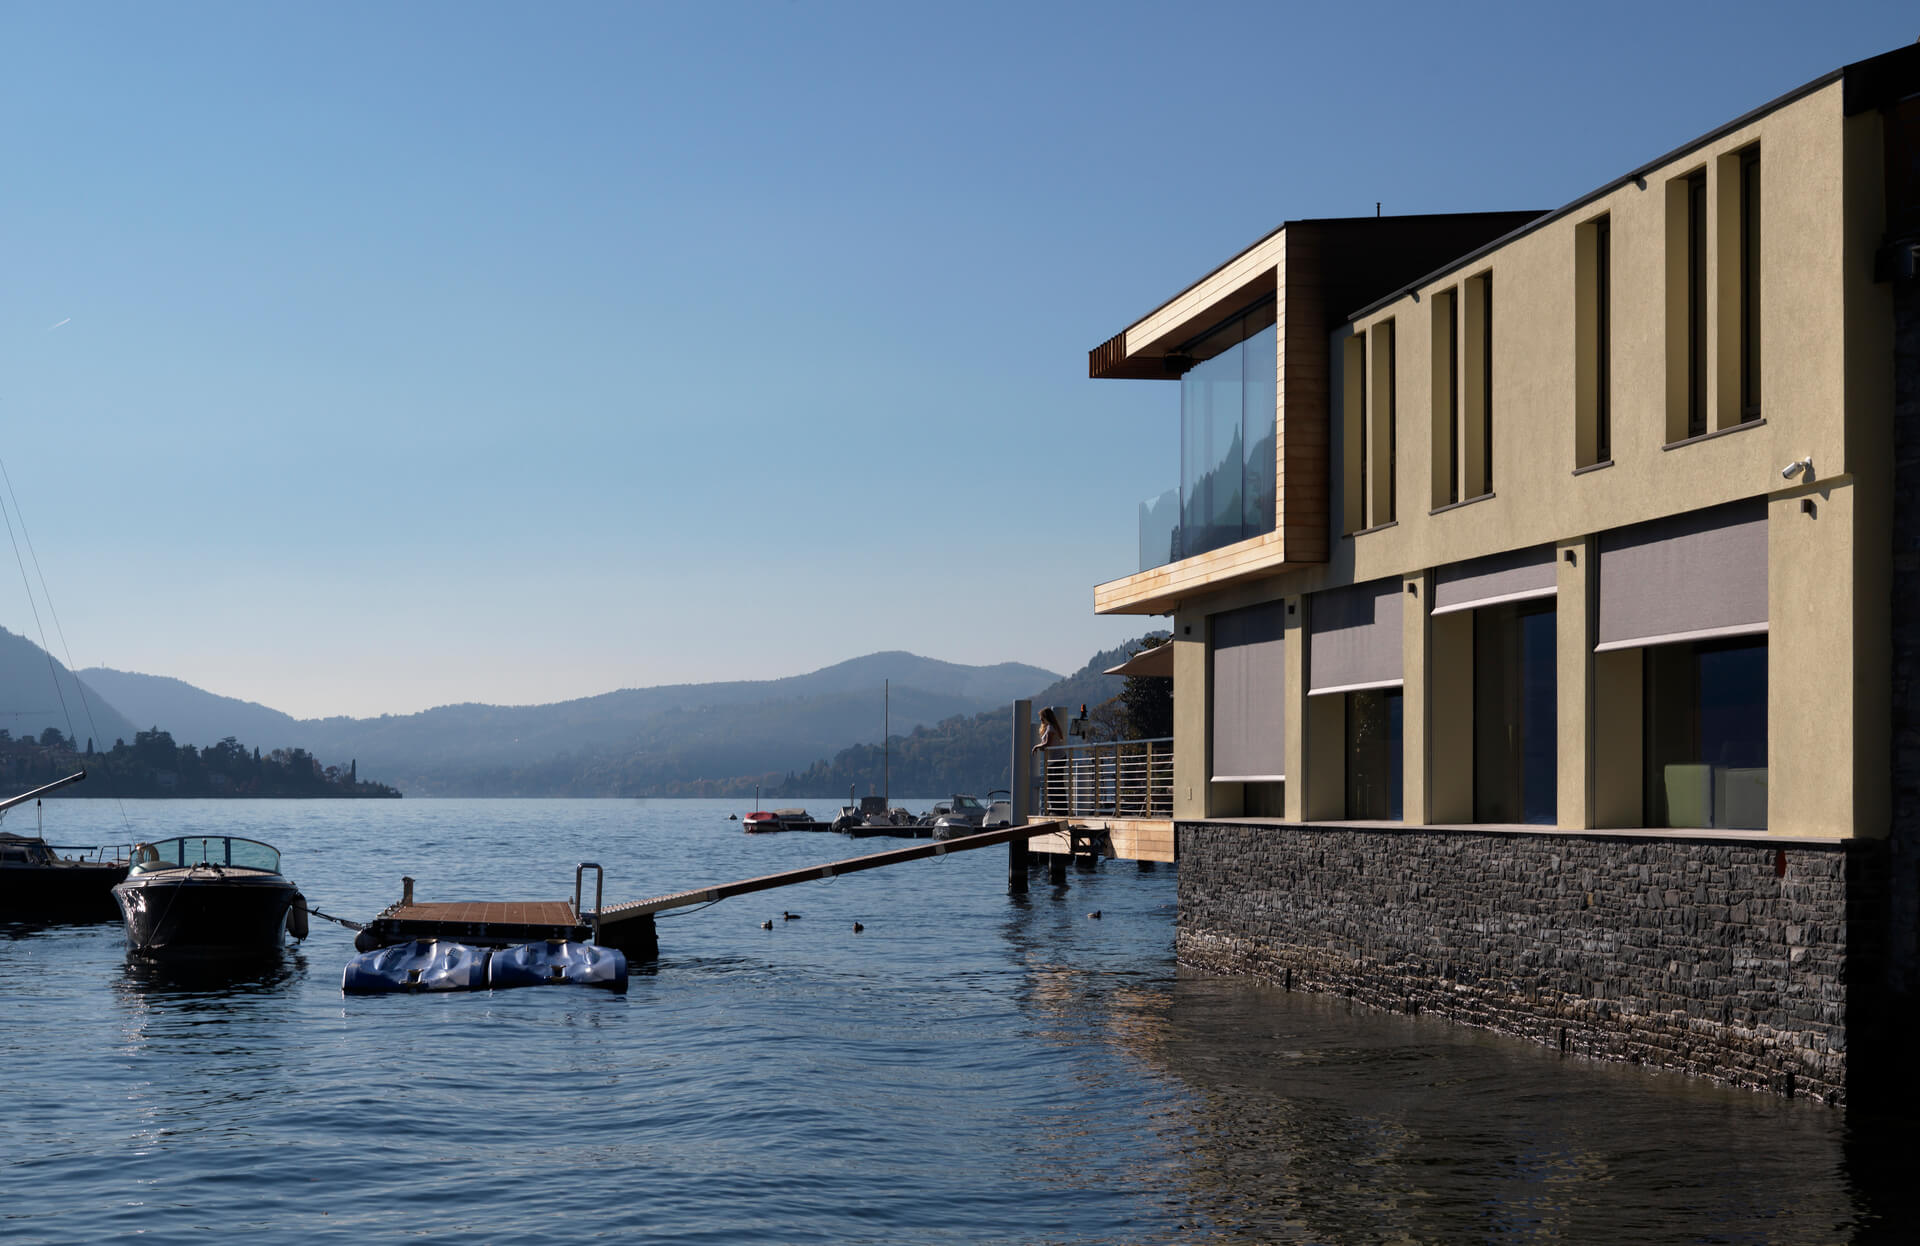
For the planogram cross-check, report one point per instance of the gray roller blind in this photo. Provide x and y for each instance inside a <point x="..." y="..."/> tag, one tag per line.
<point x="1687" y="577"/>
<point x="1356" y="638"/>
<point x="1518" y="576"/>
<point x="1250" y="694"/>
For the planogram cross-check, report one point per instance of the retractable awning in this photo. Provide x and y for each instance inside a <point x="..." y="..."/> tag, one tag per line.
<point x="1356" y="638"/>
<point x="1250" y="694"/>
<point x="1697" y="576"/>
<point x="1521" y="575"/>
<point x="1156" y="662"/>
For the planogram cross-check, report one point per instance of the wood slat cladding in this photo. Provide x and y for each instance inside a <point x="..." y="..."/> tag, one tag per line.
<point x="1106" y="358"/>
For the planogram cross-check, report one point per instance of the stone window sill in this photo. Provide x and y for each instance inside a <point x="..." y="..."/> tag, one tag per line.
<point x="1454" y="506"/>
<point x="1718" y="432"/>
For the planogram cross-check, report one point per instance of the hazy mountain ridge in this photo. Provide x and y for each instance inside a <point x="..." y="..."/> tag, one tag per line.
<point x="29" y="703"/>
<point x="962" y="754"/>
<point x="632" y="741"/>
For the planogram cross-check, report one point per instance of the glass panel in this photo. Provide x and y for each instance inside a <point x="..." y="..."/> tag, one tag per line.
<point x="1160" y="530"/>
<point x="1211" y="453"/>
<point x="1706" y="734"/>
<point x="1515" y="728"/>
<point x="1374" y="761"/>
<point x="1257" y="415"/>
<point x="255" y="855"/>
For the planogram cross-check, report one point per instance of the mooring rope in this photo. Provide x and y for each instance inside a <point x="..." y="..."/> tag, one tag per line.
<point x="314" y="912"/>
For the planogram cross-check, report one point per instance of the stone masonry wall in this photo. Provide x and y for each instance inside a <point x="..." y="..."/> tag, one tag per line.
<point x="1726" y="959"/>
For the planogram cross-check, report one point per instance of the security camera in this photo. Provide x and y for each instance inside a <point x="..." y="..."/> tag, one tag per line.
<point x="1795" y="468"/>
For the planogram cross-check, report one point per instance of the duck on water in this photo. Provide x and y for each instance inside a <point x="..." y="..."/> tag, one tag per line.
<point x="207" y="898"/>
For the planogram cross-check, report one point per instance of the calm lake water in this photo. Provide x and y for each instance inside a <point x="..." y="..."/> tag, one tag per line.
<point x="972" y="1068"/>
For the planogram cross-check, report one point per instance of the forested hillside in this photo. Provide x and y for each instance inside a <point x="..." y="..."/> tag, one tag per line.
<point x="965" y="753"/>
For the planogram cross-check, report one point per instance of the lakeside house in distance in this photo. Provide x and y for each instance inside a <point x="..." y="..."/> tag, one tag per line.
<point x="1543" y="600"/>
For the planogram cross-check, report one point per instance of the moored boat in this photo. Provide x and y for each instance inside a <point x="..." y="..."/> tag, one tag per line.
<point x="37" y="883"/>
<point x="208" y="897"/>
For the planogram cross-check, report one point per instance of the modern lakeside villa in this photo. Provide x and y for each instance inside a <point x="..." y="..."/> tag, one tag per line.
<point x="1544" y="608"/>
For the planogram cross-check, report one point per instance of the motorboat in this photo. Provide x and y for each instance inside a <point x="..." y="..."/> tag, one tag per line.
<point x="962" y="816"/>
<point x="761" y="822"/>
<point x="999" y="810"/>
<point x="877" y="818"/>
<point x="37" y="883"/>
<point x="209" y="897"/>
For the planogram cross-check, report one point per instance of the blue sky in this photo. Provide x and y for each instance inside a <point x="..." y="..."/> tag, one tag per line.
<point x="411" y="354"/>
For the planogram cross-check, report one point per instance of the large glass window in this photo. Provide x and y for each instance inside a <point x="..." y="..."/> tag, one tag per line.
<point x="1227" y="436"/>
<point x="1374" y="761"/>
<point x="1516" y="776"/>
<point x="1706" y="734"/>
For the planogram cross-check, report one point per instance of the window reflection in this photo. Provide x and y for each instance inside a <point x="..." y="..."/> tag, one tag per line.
<point x="1706" y="734"/>
<point x="1374" y="759"/>
<point x="1515" y="714"/>
<point x="1227" y="438"/>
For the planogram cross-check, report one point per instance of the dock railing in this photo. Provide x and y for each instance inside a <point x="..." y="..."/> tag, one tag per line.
<point x="1112" y="779"/>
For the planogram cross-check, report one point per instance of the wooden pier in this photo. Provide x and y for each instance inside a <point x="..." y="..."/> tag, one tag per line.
<point x="630" y="926"/>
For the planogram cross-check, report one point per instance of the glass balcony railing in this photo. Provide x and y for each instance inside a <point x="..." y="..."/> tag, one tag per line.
<point x="1160" y="530"/>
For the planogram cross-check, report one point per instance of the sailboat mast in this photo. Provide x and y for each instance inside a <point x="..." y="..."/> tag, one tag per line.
<point x="886" y="726"/>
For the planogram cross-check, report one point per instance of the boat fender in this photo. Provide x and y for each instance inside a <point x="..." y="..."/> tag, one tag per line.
<point x="297" y="917"/>
<point x="366" y="941"/>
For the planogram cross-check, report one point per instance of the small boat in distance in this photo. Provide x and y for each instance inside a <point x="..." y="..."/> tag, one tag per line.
<point x="960" y="816"/>
<point x="209" y="897"/>
<point x="38" y="884"/>
<point x="762" y="821"/>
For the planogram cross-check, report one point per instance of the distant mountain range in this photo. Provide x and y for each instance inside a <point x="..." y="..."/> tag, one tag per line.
<point x="37" y="692"/>
<point x="673" y="739"/>
<point x="812" y="734"/>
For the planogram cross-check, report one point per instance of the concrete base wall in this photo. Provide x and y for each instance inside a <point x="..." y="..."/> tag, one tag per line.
<point x="1734" y="960"/>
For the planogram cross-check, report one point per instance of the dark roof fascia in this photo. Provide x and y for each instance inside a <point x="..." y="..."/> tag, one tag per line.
<point x="1276" y="231"/>
<point x="1713" y="135"/>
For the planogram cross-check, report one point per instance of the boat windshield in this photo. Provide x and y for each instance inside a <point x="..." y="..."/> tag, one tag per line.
<point x="221" y="850"/>
<point x="967" y="804"/>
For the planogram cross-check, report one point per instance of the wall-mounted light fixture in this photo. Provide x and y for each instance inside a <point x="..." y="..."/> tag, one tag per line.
<point x="1796" y="467"/>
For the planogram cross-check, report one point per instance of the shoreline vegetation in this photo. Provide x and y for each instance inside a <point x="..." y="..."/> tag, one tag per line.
<point x="153" y="765"/>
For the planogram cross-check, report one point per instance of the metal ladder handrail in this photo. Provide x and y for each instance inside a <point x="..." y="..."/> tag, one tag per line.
<point x="599" y="891"/>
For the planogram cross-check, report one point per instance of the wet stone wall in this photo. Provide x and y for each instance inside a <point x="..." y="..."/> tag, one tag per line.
<point x="1730" y="960"/>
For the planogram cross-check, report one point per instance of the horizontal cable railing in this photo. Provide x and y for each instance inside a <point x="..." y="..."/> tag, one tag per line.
<point x="1117" y="779"/>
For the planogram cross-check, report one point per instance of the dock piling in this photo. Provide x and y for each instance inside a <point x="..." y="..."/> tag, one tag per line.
<point x="1020" y="795"/>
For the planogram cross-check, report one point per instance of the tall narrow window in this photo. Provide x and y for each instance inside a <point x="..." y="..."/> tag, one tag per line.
<point x="1366" y="419"/>
<point x="1750" y="284"/>
<point x="1603" y="339"/>
<point x="1476" y="394"/>
<point x="1445" y="389"/>
<point x="1486" y="384"/>
<point x="1393" y="428"/>
<point x="1353" y="433"/>
<point x="1384" y="341"/>
<point x="1697" y="303"/>
<point x="1453" y="399"/>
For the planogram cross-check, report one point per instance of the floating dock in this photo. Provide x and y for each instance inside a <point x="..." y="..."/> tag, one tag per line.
<point x="630" y="927"/>
<point x="492" y="923"/>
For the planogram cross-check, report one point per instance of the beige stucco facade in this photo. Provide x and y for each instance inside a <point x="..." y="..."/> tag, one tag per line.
<point x="1826" y="385"/>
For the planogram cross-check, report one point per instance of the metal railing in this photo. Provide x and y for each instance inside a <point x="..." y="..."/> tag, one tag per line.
<point x="1118" y="779"/>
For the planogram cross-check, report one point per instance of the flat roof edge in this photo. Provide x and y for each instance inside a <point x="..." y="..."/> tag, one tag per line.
<point x="1720" y="131"/>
